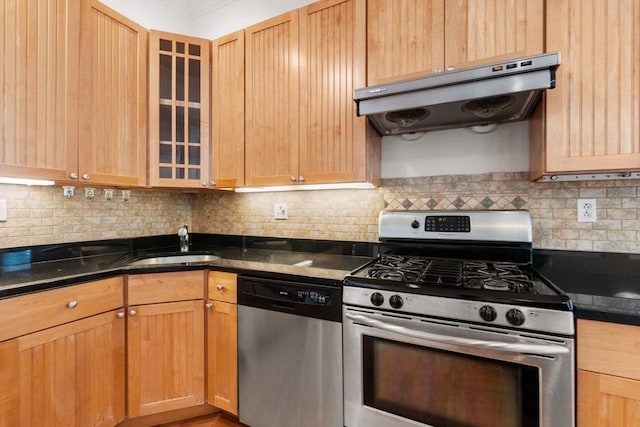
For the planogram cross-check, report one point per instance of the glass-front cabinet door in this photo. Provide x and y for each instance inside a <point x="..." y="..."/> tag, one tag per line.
<point x="178" y="111"/>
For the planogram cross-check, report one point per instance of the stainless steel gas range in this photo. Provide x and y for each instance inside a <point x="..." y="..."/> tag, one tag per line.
<point x="452" y="326"/>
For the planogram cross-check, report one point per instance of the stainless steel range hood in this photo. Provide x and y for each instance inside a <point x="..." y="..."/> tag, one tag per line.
<point x="496" y="93"/>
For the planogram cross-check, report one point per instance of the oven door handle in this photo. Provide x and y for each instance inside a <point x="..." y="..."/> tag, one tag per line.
<point x="521" y="348"/>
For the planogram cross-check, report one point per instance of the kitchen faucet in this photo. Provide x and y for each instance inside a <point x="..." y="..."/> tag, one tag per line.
<point x="183" y="233"/>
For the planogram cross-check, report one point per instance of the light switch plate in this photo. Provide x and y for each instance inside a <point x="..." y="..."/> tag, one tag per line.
<point x="3" y="209"/>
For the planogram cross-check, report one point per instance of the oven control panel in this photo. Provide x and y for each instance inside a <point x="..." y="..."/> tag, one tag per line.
<point x="447" y="224"/>
<point x="494" y="314"/>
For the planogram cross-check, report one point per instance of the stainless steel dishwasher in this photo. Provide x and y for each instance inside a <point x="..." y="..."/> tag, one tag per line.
<point x="289" y="353"/>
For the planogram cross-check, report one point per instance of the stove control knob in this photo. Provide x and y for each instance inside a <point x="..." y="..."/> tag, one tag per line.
<point x="515" y="317"/>
<point x="396" y="301"/>
<point x="377" y="299"/>
<point x="415" y="223"/>
<point x="488" y="313"/>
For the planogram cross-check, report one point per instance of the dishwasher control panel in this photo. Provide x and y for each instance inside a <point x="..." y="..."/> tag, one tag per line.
<point x="300" y="298"/>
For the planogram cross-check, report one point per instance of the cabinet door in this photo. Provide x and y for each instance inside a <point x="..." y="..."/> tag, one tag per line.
<point x="178" y="111"/>
<point x="39" y="79"/>
<point x="333" y="143"/>
<point x="69" y="375"/>
<point x="272" y="105"/>
<point x="222" y="346"/>
<point x="227" y="110"/>
<point x="593" y="115"/>
<point x="113" y="98"/>
<point x="165" y="355"/>
<point x="482" y="31"/>
<point x="404" y="39"/>
<point x="607" y="401"/>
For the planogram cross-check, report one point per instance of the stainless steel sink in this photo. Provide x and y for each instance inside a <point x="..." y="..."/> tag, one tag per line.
<point x="175" y="259"/>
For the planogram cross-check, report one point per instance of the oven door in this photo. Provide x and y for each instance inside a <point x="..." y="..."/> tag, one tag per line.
<point x="404" y="371"/>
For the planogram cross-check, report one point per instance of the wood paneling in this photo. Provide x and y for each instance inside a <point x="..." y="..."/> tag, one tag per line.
<point x="70" y="375"/>
<point x="33" y="312"/>
<point x="227" y="110"/>
<point x="608" y="384"/>
<point x="609" y="348"/>
<point x="272" y="101"/>
<point x="227" y="282"/>
<point x="113" y="98"/>
<point x="593" y="115"/>
<point x="222" y="343"/>
<point x="165" y="287"/>
<point x="404" y="39"/>
<point x="333" y="142"/>
<point x="414" y="38"/>
<point x="165" y="355"/>
<point x="607" y="401"/>
<point x="39" y="48"/>
<point x="483" y="31"/>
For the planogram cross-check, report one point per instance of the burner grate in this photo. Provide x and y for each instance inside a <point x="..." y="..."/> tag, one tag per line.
<point x="419" y="272"/>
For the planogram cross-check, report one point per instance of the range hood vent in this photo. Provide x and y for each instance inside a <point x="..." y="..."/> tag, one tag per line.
<point x="496" y="93"/>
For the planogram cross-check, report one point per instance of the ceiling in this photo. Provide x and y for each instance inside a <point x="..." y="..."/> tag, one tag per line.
<point x="192" y="9"/>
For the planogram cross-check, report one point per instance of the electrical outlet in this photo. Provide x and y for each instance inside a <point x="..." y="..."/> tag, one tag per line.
<point x="587" y="210"/>
<point x="280" y="211"/>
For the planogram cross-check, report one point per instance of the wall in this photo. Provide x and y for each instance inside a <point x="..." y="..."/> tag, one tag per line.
<point x="352" y="214"/>
<point x="42" y="215"/>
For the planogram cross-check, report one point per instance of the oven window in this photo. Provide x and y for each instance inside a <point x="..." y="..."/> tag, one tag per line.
<point x="442" y="388"/>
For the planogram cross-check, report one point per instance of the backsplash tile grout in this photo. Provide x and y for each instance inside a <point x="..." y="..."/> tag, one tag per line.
<point x="39" y="215"/>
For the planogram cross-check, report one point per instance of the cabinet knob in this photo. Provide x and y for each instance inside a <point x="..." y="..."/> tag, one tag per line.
<point x="73" y="175"/>
<point x="301" y="179"/>
<point x="208" y="306"/>
<point x="72" y="304"/>
<point x="120" y="315"/>
<point x="293" y="178"/>
<point x="437" y="70"/>
<point x="86" y="177"/>
<point x="220" y="286"/>
<point x="132" y="313"/>
<point x="212" y="184"/>
<point x="205" y="184"/>
<point x="451" y="68"/>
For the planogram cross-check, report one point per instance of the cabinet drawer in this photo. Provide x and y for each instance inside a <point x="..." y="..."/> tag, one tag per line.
<point x="609" y="348"/>
<point x="29" y="313"/>
<point x="222" y="286"/>
<point x="165" y="287"/>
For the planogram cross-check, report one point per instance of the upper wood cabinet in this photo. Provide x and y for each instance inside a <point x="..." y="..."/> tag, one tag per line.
<point x="333" y="142"/>
<point x="608" y="358"/>
<point x="112" y="147"/>
<point x="301" y="70"/>
<point x="591" y="120"/>
<point x="227" y="111"/>
<point x="272" y="101"/>
<point x="39" y="79"/>
<point x="178" y="111"/>
<point x="413" y="38"/>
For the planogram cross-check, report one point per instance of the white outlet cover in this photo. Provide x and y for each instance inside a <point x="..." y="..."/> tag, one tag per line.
<point x="280" y="211"/>
<point x="3" y="209"/>
<point x="586" y="209"/>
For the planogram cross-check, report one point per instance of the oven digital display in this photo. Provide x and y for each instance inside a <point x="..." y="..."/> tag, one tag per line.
<point x="448" y="223"/>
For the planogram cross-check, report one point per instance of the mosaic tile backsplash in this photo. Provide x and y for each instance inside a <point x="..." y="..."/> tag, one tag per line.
<point x="43" y="215"/>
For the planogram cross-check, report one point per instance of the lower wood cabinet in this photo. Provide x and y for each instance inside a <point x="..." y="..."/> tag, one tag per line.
<point x="165" y="342"/>
<point x="222" y="342"/>
<point x="608" y="374"/>
<point x="71" y="374"/>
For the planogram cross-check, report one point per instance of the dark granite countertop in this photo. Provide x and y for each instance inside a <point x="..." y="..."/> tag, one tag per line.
<point x="602" y="285"/>
<point x="25" y="270"/>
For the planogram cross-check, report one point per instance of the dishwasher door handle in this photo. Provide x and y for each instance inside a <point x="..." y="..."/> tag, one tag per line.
<point x="284" y="305"/>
